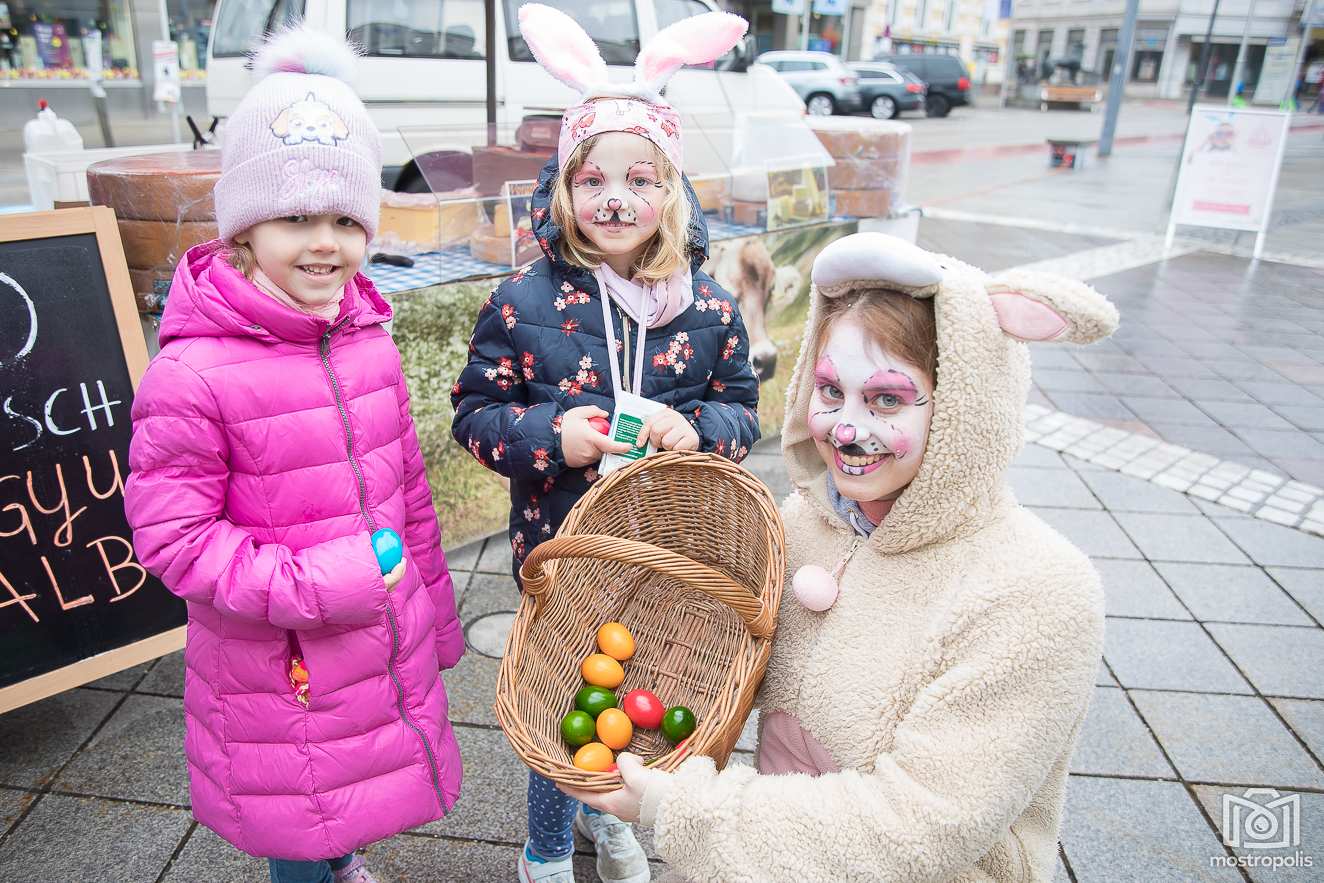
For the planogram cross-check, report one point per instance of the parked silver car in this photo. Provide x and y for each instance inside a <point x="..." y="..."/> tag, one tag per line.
<point x="820" y="78"/>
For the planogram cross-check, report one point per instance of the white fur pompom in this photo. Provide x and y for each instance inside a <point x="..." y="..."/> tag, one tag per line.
<point x="301" y="50"/>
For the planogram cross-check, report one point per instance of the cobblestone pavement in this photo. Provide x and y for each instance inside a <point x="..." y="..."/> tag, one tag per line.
<point x="1210" y="682"/>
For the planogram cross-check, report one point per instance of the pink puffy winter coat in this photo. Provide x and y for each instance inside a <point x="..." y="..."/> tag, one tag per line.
<point x="267" y="446"/>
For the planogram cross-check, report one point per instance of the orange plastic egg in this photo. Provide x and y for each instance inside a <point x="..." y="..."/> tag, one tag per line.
<point x="594" y="757"/>
<point x="601" y="670"/>
<point x="614" y="728"/>
<point x="616" y="641"/>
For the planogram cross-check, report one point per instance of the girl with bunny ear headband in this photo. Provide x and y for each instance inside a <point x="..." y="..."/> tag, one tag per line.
<point x="617" y="307"/>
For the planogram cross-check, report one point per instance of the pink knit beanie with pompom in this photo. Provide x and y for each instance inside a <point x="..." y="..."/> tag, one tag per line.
<point x="300" y="142"/>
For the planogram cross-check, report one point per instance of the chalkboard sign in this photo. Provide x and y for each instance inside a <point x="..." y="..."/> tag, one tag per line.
<point x="75" y="604"/>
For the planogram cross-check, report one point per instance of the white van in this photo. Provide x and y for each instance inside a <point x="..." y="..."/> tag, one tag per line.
<point x="424" y="66"/>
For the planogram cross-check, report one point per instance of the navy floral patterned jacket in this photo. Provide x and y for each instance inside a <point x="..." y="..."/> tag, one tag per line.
<point x="539" y="349"/>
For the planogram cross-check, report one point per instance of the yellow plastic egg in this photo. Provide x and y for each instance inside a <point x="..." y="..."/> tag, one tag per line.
<point x="594" y="757"/>
<point x="614" y="729"/>
<point x="601" y="670"/>
<point x="616" y="641"/>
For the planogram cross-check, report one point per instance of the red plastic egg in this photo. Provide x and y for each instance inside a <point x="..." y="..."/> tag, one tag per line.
<point x="644" y="709"/>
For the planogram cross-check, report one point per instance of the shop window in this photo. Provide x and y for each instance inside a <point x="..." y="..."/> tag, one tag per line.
<point x="41" y="40"/>
<point x="190" y="28"/>
<point x="243" y="22"/>
<point x="1076" y="44"/>
<point x="418" y="28"/>
<point x="611" y="23"/>
<point x="1145" y="68"/>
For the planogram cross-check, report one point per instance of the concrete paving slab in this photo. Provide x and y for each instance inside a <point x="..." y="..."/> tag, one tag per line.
<point x="137" y="755"/>
<point x="1133" y="588"/>
<point x="1130" y="829"/>
<point x="1162" y="655"/>
<point x="1290" y="444"/>
<point x="1115" y="741"/>
<point x="1038" y="456"/>
<point x="1242" y="414"/>
<point x="1305" y="585"/>
<point x="1272" y="545"/>
<point x="471" y="689"/>
<point x="12" y="805"/>
<point x="488" y="593"/>
<point x="1052" y="380"/>
<point x="39" y="738"/>
<point x="1308" y="417"/>
<point x="1166" y="410"/>
<point x="1050" y="487"/>
<point x="492" y="801"/>
<point x="1283" y="865"/>
<point x="1208" y="389"/>
<point x="1305" y="717"/>
<point x="1279" y="660"/>
<point x="1095" y="406"/>
<point x="497" y="556"/>
<point x="464" y="558"/>
<point x="1193" y="729"/>
<point x="206" y="858"/>
<point x="85" y="839"/>
<point x="1179" y="538"/>
<point x="166" y="677"/>
<point x="1126" y="493"/>
<point x="122" y="680"/>
<point x="1231" y="593"/>
<point x="1095" y="533"/>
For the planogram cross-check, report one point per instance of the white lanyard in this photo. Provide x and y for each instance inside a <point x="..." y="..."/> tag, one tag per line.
<point x="638" y="382"/>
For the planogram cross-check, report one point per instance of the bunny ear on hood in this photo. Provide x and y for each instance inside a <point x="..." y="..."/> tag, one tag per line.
<point x="698" y="39"/>
<point x="562" y="47"/>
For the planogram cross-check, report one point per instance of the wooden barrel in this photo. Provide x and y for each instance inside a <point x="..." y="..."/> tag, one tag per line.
<point x="164" y="205"/>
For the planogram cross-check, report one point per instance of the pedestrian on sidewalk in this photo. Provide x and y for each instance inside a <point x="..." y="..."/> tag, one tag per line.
<point x="617" y="306"/>
<point x="272" y="437"/>
<point x="933" y="663"/>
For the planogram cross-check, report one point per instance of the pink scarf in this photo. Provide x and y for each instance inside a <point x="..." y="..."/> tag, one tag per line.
<point x="650" y="305"/>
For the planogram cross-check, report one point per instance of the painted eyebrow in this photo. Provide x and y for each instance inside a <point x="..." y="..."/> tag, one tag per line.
<point x="825" y="371"/>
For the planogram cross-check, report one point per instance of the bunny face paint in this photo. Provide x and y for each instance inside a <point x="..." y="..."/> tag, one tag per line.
<point x="869" y="415"/>
<point x="616" y="195"/>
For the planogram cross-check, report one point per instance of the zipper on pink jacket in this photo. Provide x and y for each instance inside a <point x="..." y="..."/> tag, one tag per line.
<point x="325" y="350"/>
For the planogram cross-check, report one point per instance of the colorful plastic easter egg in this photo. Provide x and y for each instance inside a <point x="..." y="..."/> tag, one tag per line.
<point x="616" y="641"/>
<point x="577" y="729"/>
<point x="594" y="757"/>
<point x="386" y="543"/>
<point x="602" y="671"/>
<point x="614" y="729"/>
<point x="594" y="700"/>
<point x="678" y="723"/>
<point x="644" y="708"/>
<point x="601" y="424"/>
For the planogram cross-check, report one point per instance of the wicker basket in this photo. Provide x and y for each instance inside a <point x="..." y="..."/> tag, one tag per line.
<point x="687" y="551"/>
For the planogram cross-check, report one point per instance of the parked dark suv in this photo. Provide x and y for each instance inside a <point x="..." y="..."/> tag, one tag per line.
<point x="946" y="76"/>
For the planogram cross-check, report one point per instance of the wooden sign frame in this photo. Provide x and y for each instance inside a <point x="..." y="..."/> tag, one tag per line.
<point x="98" y="220"/>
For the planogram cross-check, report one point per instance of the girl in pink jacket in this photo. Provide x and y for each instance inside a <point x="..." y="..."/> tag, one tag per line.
<point x="272" y="437"/>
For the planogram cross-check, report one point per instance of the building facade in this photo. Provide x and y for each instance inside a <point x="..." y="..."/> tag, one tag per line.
<point x="974" y="30"/>
<point x="1168" y="41"/>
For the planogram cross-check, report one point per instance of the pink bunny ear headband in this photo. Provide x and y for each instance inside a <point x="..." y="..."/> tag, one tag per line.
<point x="567" y="53"/>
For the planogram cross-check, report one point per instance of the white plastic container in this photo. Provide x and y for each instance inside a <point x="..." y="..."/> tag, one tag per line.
<point x="49" y="132"/>
<point x="61" y="176"/>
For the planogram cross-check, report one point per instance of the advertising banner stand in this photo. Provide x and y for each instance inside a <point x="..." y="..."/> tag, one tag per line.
<point x="1229" y="170"/>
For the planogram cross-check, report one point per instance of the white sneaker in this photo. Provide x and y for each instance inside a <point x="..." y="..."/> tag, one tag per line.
<point x="533" y="869"/>
<point x="620" y="857"/>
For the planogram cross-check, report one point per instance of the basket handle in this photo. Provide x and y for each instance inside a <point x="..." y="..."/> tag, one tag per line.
<point x="698" y="576"/>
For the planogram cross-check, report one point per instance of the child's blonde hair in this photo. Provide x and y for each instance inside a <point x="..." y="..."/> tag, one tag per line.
<point x="668" y="250"/>
<point x="241" y="257"/>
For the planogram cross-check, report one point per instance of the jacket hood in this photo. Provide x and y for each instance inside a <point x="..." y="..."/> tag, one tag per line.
<point x="210" y="298"/>
<point x="983" y="376"/>
<point x="549" y="234"/>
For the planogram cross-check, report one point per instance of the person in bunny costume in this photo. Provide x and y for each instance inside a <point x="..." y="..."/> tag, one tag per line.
<point x="933" y="665"/>
<point x="617" y="307"/>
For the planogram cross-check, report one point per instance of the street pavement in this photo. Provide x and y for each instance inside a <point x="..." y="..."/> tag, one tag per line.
<point x="1210" y="682"/>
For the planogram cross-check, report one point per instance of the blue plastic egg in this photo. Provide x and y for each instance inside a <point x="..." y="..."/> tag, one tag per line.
<point x="386" y="543"/>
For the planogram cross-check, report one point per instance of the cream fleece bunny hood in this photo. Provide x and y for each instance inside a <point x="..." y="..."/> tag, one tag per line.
<point x="931" y="712"/>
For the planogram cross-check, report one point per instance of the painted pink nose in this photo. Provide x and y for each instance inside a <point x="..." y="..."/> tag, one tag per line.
<point x="614" y="204"/>
<point x="845" y="433"/>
